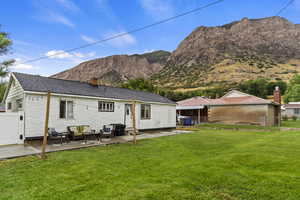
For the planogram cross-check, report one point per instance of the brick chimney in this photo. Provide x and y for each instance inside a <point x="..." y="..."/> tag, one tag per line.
<point x="277" y="95"/>
<point x="93" y="82"/>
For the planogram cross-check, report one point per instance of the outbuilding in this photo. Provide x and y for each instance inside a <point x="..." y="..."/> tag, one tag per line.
<point x="235" y="107"/>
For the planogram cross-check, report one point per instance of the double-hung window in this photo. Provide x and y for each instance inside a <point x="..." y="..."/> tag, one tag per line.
<point x="104" y="106"/>
<point x="145" y="111"/>
<point x="9" y="106"/>
<point x="19" y="104"/>
<point x="66" y="109"/>
<point x="296" y="111"/>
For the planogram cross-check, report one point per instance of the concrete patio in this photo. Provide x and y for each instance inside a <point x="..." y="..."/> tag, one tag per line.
<point x="15" y="151"/>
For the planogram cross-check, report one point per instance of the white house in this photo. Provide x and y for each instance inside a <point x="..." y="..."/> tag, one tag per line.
<point x="79" y="103"/>
<point x="292" y="109"/>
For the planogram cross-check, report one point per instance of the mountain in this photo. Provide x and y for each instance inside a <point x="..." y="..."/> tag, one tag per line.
<point x="208" y="57"/>
<point x="235" y="52"/>
<point x="112" y="70"/>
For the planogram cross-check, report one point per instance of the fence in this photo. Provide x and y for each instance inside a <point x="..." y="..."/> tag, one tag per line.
<point x="11" y="128"/>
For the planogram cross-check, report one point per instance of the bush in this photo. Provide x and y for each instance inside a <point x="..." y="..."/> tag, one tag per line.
<point x="294" y="118"/>
<point x="284" y="117"/>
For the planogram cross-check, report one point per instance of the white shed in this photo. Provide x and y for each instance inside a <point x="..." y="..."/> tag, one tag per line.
<point x="78" y="103"/>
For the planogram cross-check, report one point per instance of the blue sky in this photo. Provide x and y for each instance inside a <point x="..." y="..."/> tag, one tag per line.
<point x="44" y="27"/>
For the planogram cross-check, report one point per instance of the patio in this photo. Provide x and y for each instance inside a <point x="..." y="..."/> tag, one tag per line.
<point x="14" y="151"/>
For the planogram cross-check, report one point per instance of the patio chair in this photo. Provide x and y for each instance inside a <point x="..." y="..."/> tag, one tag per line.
<point x="76" y="132"/>
<point x="54" y="135"/>
<point x="107" y="131"/>
<point x="87" y="132"/>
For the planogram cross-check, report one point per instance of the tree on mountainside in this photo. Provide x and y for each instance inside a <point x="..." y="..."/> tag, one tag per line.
<point x="262" y="87"/>
<point x="256" y="87"/>
<point x="140" y="84"/>
<point x="5" y="43"/>
<point x="293" y="90"/>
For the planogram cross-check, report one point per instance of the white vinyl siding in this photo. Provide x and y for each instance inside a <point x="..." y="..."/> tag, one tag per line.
<point x="15" y="95"/>
<point x="85" y="111"/>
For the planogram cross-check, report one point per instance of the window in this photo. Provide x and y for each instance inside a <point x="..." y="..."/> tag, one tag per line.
<point x="296" y="110"/>
<point x="104" y="106"/>
<point x="66" y="109"/>
<point x="19" y="104"/>
<point x="145" y="111"/>
<point x="9" y="106"/>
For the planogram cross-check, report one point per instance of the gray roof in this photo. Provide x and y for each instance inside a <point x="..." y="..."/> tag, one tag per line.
<point x="38" y="83"/>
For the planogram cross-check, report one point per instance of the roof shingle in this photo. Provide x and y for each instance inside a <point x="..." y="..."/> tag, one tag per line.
<point x="44" y="84"/>
<point x="242" y="100"/>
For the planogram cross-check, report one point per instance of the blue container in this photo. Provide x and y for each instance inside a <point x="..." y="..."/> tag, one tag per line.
<point x="187" y="122"/>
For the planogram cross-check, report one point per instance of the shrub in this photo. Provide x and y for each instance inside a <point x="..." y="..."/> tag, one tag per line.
<point x="284" y="117"/>
<point x="294" y="118"/>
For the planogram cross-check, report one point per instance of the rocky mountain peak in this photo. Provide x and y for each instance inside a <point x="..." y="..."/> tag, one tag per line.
<point x="112" y="70"/>
<point x="263" y="43"/>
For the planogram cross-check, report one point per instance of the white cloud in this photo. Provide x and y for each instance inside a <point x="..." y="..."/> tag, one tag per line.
<point x="149" y="51"/>
<point x="82" y="55"/>
<point x="60" y="54"/>
<point x="22" y="66"/>
<point x="50" y="11"/>
<point x="55" y="17"/>
<point x="87" y="39"/>
<point x="69" y="5"/>
<point x="122" y="41"/>
<point x="158" y="8"/>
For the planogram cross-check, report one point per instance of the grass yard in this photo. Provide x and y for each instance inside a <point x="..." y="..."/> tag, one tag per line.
<point x="237" y="127"/>
<point x="208" y="164"/>
<point x="291" y="123"/>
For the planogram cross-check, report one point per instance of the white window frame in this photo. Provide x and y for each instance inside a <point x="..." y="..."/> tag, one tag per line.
<point x="66" y="114"/>
<point x="106" y="106"/>
<point x="147" y="112"/>
<point x="19" y="103"/>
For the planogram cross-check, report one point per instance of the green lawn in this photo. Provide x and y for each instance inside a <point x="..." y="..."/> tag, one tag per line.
<point x="237" y="127"/>
<point x="291" y="124"/>
<point x="208" y="164"/>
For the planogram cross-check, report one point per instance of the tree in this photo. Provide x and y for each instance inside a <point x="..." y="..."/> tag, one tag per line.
<point x="140" y="84"/>
<point x="5" y="43"/>
<point x="293" y="90"/>
<point x="271" y="87"/>
<point x="256" y="87"/>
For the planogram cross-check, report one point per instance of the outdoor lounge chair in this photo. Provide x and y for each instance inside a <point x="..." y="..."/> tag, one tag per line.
<point x="76" y="132"/>
<point x="54" y="135"/>
<point x="88" y="132"/>
<point x="107" y="131"/>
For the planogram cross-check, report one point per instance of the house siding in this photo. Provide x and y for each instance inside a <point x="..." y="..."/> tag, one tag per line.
<point x="271" y="115"/>
<point x="239" y="114"/>
<point x="86" y="113"/>
<point x="162" y="116"/>
<point x="289" y="112"/>
<point x="15" y="92"/>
